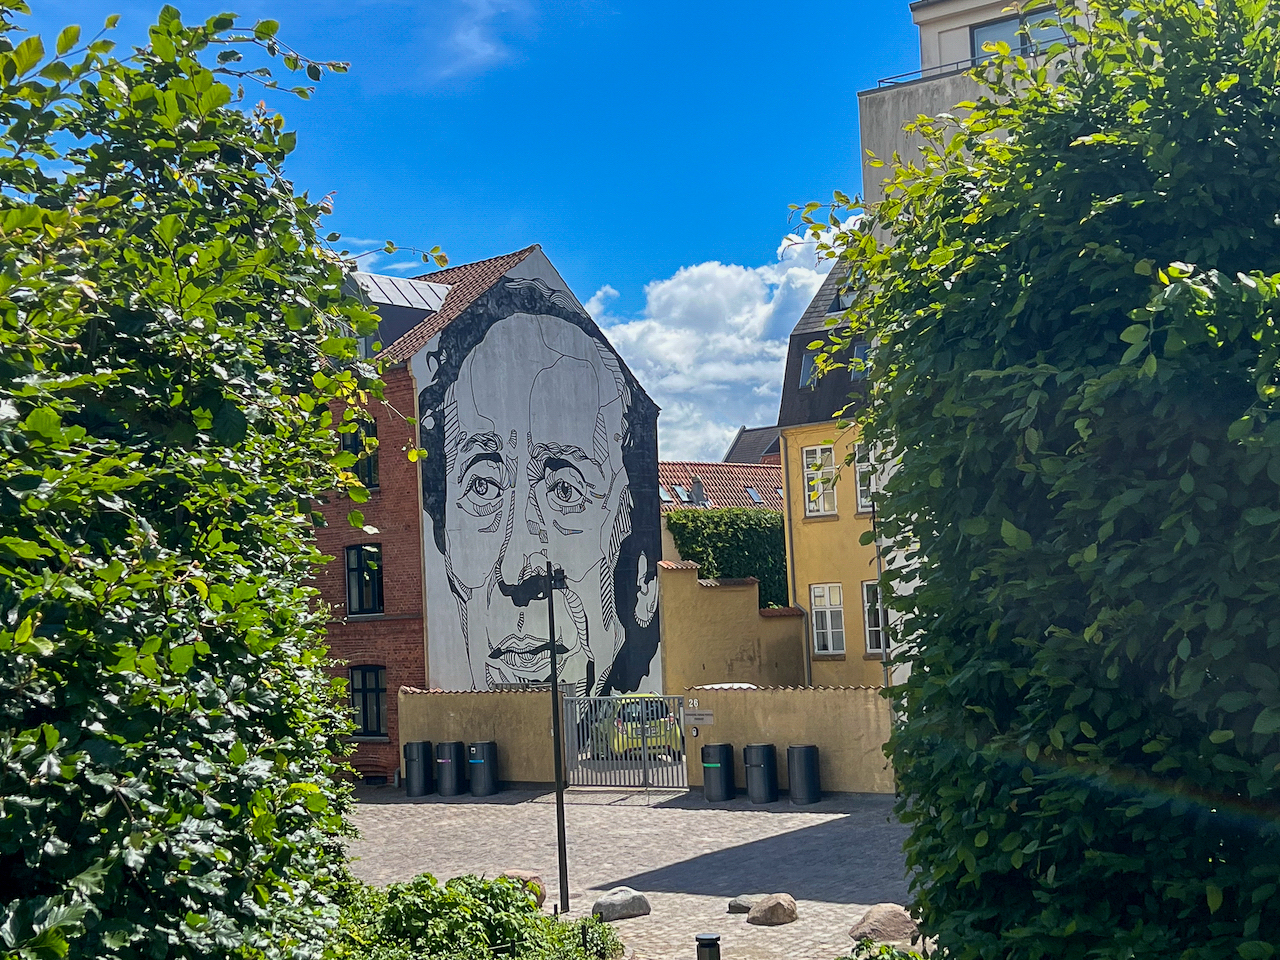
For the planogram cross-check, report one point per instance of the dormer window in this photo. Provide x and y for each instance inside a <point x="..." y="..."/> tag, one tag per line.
<point x="842" y="301"/>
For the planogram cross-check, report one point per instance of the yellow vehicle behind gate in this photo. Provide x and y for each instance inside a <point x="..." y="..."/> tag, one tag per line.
<point x="645" y="719"/>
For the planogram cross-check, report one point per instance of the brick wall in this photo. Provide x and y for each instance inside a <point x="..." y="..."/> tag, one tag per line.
<point x="396" y="639"/>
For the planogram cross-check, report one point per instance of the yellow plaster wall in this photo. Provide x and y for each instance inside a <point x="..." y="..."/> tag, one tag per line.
<point x="849" y="726"/>
<point x="827" y="550"/>
<point x="518" y="721"/>
<point x="715" y="632"/>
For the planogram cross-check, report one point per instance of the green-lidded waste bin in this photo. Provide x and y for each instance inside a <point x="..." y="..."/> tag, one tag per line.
<point x="451" y="767"/>
<point x="761" y="763"/>
<point x="483" y="761"/>
<point x="417" y="768"/>
<point x="717" y="772"/>
<point x="802" y="772"/>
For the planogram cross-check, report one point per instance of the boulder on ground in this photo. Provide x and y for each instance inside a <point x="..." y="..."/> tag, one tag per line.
<point x="621" y="903"/>
<point x="531" y="881"/>
<point x="741" y="904"/>
<point x="773" y="910"/>
<point x="885" y="923"/>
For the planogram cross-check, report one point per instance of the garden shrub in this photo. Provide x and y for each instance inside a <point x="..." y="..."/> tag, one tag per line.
<point x="171" y="335"/>
<point x="1077" y="369"/>
<point x="464" y="918"/>
<point x="735" y="542"/>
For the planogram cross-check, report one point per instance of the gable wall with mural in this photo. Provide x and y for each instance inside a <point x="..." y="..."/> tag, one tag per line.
<point x="540" y="445"/>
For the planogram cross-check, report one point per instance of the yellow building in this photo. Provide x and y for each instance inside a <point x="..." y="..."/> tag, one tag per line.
<point x="832" y="576"/>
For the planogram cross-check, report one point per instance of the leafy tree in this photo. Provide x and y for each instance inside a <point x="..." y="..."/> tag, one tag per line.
<point x="735" y="542"/>
<point x="1076" y="372"/>
<point x="172" y="333"/>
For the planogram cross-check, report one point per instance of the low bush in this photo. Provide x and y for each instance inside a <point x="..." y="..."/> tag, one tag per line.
<point x="870" y="950"/>
<point x="467" y="917"/>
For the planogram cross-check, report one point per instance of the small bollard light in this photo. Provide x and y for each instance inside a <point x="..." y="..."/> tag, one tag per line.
<point x="708" y="946"/>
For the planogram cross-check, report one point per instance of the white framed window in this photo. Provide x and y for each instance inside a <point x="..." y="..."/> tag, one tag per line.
<point x="826" y="610"/>
<point x="819" y="481"/>
<point x="866" y="477"/>
<point x="873" y="617"/>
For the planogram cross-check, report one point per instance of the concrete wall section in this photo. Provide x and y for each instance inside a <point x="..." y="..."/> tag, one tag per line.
<point x="713" y="631"/>
<point x="883" y="112"/>
<point x="541" y="445"/>
<point x="519" y="722"/>
<point x="849" y="726"/>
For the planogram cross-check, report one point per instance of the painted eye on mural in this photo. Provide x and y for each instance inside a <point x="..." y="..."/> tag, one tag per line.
<point x="481" y="490"/>
<point x="566" y="488"/>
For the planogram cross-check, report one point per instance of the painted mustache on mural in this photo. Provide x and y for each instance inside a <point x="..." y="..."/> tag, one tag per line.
<point x="528" y="659"/>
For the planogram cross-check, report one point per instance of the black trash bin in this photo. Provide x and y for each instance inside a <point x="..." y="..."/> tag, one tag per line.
<point x="451" y="767"/>
<point x="484" y="768"/>
<point x="761" y="763"/>
<point x="802" y="772"/>
<point x="717" y="772"/>
<point x="417" y="768"/>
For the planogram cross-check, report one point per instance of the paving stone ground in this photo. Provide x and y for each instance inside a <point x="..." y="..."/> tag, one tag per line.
<point x="836" y="857"/>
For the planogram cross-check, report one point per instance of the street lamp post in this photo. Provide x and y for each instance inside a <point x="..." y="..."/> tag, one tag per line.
<point x="555" y="581"/>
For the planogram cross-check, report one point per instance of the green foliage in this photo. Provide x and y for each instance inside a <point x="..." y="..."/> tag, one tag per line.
<point x="465" y="918"/>
<point x="1077" y="365"/>
<point x="171" y="335"/>
<point x="735" y="542"/>
<point x="870" y="950"/>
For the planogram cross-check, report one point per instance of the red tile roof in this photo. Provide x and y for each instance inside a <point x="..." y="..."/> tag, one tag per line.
<point x="466" y="282"/>
<point x="723" y="484"/>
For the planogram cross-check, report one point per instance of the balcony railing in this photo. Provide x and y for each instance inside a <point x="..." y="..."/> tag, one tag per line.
<point x="931" y="73"/>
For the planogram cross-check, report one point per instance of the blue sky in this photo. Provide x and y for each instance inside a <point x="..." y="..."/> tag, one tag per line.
<point x="651" y="147"/>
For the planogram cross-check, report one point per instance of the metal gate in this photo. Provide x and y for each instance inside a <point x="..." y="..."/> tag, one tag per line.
<point x="633" y="740"/>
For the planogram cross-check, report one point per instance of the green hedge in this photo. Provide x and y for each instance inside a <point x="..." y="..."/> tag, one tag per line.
<point x="735" y="542"/>
<point x="468" y="917"/>
<point x="172" y="334"/>
<point x="1077" y="371"/>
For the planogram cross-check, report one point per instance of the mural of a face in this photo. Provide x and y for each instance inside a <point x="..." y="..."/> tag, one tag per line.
<point x="533" y="441"/>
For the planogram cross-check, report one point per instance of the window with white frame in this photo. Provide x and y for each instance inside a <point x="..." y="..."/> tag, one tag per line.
<point x="873" y="617"/>
<point x="826" y="611"/>
<point x="819" y="481"/>
<point x="866" y="477"/>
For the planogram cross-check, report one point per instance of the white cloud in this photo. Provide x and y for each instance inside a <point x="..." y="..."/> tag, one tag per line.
<point x="477" y="35"/>
<point x="710" y="345"/>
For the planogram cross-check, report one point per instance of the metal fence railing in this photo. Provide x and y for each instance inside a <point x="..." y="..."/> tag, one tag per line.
<point x="629" y="741"/>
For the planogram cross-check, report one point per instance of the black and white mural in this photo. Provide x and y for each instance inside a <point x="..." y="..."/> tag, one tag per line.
<point x="540" y="445"/>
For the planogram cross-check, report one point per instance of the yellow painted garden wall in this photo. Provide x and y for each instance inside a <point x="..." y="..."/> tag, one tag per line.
<point x="848" y="725"/>
<point x="713" y="631"/>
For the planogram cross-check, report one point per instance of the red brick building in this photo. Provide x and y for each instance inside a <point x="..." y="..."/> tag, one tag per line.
<point x="537" y="443"/>
<point x="385" y="648"/>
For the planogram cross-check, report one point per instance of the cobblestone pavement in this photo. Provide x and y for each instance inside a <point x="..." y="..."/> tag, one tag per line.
<point x="835" y="857"/>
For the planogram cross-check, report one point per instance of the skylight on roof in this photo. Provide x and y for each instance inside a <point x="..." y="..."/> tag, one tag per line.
<point x="779" y="489"/>
<point x="681" y="492"/>
<point x="666" y="497"/>
<point x="751" y="492"/>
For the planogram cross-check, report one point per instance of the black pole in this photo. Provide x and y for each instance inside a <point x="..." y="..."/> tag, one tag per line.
<point x="556" y="734"/>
